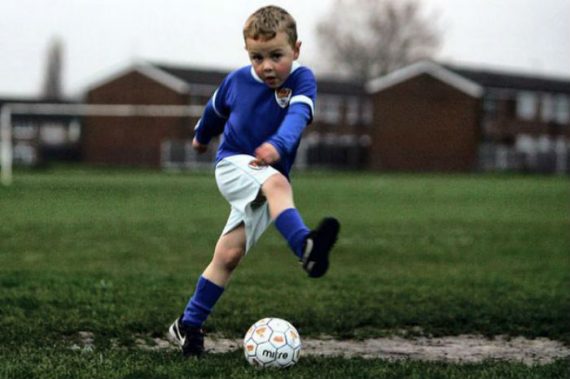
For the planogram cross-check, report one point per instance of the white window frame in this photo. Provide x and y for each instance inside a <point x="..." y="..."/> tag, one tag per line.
<point x="24" y="131"/>
<point x="527" y="105"/>
<point x="328" y="109"/>
<point x="53" y="133"/>
<point x="25" y="153"/>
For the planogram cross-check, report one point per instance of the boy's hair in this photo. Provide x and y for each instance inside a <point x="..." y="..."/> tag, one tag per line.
<point x="267" y="21"/>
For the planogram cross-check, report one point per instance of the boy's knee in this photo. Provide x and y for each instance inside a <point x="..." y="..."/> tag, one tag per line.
<point x="276" y="184"/>
<point x="229" y="258"/>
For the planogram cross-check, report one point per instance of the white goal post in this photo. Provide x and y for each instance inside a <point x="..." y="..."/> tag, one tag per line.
<point x="108" y="110"/>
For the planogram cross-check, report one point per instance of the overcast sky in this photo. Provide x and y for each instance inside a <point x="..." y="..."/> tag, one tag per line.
<point x="103" y="36"/>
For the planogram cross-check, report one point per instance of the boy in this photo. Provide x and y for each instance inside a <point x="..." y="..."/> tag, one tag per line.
<point x="261" y="110"/>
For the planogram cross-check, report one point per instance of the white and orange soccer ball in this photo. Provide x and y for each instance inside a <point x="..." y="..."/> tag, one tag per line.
<point x="272" y="342"/>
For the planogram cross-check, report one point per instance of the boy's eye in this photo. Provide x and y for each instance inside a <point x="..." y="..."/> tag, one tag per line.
<point x="276" y="56"/>
<point x="256" y="58"/>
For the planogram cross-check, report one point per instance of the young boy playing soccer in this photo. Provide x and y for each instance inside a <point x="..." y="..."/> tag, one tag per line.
<point x="262" y="110"/>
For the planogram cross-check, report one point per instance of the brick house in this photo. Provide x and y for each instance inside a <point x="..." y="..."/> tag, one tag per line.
<point x="426" y="118"/>
<point x="525" y="122"/>
<point x="135" y="141"/>
<point x="431" y="117"/>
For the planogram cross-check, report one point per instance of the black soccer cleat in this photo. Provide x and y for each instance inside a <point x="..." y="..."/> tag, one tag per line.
<point x="190" y="339"/>
<point x="318" y="246"/>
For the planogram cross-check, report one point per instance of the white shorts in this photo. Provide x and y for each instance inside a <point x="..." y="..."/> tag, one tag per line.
<point x="240" y="184"/>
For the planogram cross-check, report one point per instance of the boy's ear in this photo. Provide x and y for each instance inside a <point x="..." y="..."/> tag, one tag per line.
<point x="297" y="49"/>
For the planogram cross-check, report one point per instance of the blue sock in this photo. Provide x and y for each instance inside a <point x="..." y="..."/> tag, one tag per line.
<point x="293" y="229"/>
<point x="201" y="303"/>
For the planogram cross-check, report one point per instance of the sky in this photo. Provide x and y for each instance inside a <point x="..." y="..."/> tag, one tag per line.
<point x="101" y="37"/>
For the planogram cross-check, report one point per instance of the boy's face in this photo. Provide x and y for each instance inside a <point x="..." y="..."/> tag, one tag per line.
<point x="272" y="59"/>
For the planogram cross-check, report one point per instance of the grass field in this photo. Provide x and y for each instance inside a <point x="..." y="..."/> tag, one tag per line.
<point x="117" y="253"/>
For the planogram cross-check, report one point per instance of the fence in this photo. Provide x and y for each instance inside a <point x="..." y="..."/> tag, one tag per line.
<point x="316" y="151"/>
<point x="543" y="155"/>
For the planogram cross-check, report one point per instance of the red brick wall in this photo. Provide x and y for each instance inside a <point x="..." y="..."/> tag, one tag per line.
<point x="132" y="141"/>
<point x="424" y="124"/>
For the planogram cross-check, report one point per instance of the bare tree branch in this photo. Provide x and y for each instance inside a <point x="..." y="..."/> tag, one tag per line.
<point x="368" y="38"/>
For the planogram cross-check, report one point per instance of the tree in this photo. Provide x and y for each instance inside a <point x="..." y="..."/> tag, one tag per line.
<point x="52" y="89"/>
<point x="368" y="38"/>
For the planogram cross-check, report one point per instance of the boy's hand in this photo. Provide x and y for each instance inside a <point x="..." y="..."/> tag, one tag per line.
<point x="200" y="148"/>
<point x="266" y="154"/>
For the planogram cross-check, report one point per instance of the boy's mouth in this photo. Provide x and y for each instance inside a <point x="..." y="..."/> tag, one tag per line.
<point x="271" y="80"/>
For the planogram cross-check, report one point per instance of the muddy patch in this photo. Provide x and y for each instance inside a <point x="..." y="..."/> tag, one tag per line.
<point x="455" y="349"/>
<point x="458" y="349"/>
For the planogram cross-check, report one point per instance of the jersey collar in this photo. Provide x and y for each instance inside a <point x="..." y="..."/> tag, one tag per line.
<point x="254" y="75"/>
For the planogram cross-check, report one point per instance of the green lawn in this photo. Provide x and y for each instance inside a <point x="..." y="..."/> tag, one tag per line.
<point x="117" y="253"/>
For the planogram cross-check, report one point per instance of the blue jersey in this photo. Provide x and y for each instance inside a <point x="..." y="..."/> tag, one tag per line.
<point x="249" y="113"/>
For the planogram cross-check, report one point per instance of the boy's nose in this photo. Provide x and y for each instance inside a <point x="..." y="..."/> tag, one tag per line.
<point x="267" y="66"/>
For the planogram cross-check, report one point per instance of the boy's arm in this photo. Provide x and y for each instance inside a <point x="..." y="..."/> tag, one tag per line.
<point x="214" y="117"/>
<point x="299" y="114"/>
<point x="209" y="125"/>
<point x="287" y="137"/>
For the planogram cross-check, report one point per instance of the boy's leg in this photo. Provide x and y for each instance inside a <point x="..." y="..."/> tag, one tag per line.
<point x="288" y="221"/>
<point x="227" y="255"/>
<point x="279" y="194"/>
<point x="229" y="250"/>
<point x="312" y="247"/>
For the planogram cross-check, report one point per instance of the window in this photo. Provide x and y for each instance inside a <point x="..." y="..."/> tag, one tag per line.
<point x="525" y="144"/>
<point x="526" y="105"/>
<point x="25" y="131"/>
<point x="24" y="153"/>
<point x="352" y="105"/>
<point x="53" y="133"/>
<point x="328" y="109"/>
<point x="547" y="107"/>
<point x="74" y="131"/>
<point x="367" y="113"/>
<point x="562" y="109"/>
<point x="490" y="105"/>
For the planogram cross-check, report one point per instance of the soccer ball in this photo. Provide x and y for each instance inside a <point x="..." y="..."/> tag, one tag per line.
<point x="272" y="342"/>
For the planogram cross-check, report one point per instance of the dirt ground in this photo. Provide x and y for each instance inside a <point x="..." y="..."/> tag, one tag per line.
<point x="457" y="349"/>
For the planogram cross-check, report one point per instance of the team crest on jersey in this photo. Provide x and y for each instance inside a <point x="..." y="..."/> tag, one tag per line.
<point x="282" y="96"/>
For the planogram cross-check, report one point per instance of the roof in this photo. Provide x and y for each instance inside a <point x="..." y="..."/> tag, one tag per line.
<point x="148" y="70"/>
<point x="473" y="82"/>
<point x="437" y="71"/>
<point x="334" y="86"/>
<point x="34" y="100"/>
<point x="194" y="75"/>
<point x="12" y="99"/>
<point x="26" y="115"/>
<point x="504" y="80"/>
